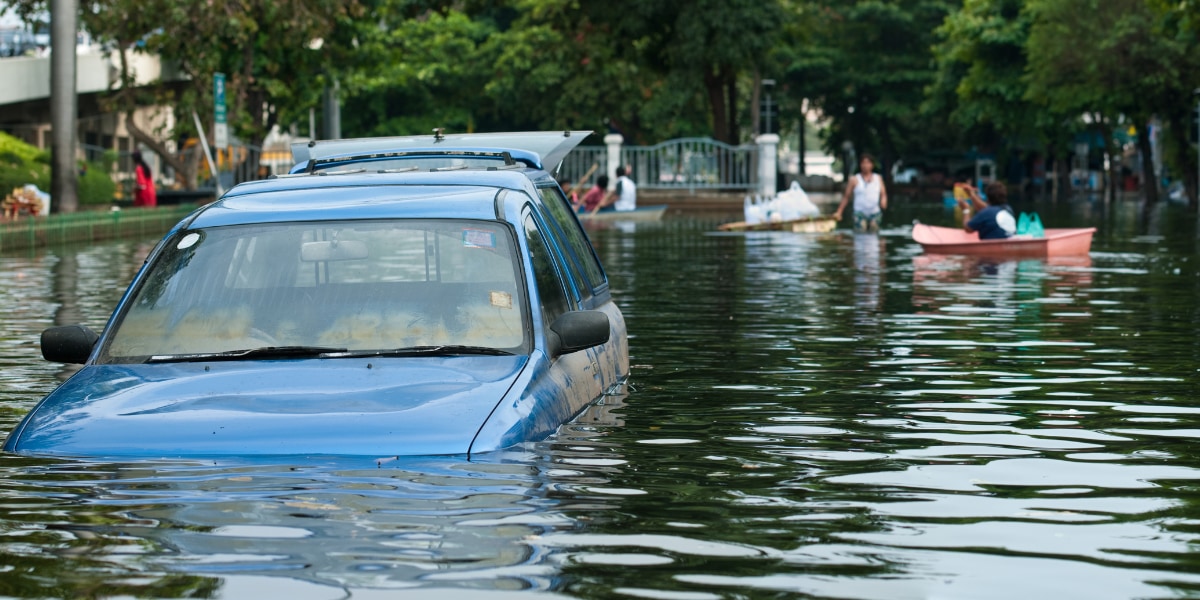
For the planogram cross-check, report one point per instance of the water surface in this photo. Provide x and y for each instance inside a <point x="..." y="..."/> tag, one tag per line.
<point x="836" y="415"/>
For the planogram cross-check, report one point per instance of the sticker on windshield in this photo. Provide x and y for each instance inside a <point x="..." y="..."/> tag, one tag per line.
<point x="477" y="238"/>
<point x="501" y="299"/>
<point x="188" y="241"/>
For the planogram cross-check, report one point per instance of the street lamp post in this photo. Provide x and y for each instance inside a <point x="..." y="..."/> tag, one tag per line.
<point x="767" y="106"/>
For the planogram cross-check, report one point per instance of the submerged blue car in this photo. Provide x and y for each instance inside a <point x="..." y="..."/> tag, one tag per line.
<point x="430" y="295"/>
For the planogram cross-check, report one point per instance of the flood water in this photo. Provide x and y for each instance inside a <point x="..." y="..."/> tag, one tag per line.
<point x="831" y="416"/>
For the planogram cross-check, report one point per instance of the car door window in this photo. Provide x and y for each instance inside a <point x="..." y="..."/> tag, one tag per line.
<point x="581" y="247"/>
<point x="551" y="296"/>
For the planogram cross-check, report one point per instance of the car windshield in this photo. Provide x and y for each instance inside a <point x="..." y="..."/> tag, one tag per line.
<point x="326" y="289"/>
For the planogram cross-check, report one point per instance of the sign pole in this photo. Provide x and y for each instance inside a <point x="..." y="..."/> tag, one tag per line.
<point x="212" y="165"/>
<point x="220" y="126"/>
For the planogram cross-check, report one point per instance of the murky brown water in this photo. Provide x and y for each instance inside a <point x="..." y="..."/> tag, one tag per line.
<point x="835" y="415"/>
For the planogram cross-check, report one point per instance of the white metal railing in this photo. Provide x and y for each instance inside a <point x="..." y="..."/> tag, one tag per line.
<point x="682" y="164"/>
<point x="692" y="163"/>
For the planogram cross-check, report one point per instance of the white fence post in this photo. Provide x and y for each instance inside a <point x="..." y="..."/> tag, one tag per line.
<point x="613" y="141"/>
<point x="767" y="163"/>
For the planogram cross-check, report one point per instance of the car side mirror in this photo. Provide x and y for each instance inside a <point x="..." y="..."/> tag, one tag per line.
<point x="578" y="330"/>
<point x="68" y="344"/>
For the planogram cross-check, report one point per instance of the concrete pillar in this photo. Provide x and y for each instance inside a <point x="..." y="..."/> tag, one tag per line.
<point x="613" y="141"/>
<point x="64" y="181"/>
<point x="768" y="162"/>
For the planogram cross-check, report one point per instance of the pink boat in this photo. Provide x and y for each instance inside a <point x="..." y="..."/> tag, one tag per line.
<point x="1057" y="242"/>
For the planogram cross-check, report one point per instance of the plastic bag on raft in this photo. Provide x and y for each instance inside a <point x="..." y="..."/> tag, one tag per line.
<point x="793" y="203"/>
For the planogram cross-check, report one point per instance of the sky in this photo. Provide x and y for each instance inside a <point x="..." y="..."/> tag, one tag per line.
<point x="8" y="18"/>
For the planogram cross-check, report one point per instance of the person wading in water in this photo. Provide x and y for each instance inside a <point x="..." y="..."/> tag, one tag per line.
<point x="870" y="196"/>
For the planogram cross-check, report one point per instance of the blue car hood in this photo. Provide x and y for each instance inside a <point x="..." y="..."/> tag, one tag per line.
<point x="364" y="407"/>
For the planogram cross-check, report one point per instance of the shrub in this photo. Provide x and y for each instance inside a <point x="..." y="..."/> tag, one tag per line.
<point x="22" y="164"/>
<point x="96" y="186"/>
<point x="15" y="176"/>
<point x="10" y="145"/>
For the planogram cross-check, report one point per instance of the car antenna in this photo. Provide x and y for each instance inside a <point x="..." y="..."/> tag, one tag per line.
<point x="437" y="134"/>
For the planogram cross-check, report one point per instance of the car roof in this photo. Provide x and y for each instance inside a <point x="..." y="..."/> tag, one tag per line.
<point x="542" y="149"/>
<point x="463" y="194"/>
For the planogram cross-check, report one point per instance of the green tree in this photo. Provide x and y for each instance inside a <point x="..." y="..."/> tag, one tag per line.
<point x="651" y="70"/>
<point x="1179" y="25"/>
<point x="982" y="83"/>
<point x="410" y="69"/>
<point x="265" y="47"/>
<point x="719" y="44"/>
<point x="1105" y="58"/>
<point x="865" y="66"/>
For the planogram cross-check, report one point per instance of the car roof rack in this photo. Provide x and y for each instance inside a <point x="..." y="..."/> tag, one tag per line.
<point x="550" y="147"/>
<point x="504" y="155"/>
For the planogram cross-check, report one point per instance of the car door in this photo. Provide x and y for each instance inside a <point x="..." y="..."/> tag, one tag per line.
<point x="570" y="378"/>
<point x="611" y="360"/>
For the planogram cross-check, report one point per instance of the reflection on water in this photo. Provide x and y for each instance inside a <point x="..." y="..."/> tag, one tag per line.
<point x="835" y="415"/>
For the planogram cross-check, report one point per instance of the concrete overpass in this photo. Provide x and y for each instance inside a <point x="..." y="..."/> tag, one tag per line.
<point x="25" y="98"/>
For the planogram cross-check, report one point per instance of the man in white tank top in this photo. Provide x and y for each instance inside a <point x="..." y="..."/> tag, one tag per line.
<point x="624" y="196"/>
<point x="870" y="196"/>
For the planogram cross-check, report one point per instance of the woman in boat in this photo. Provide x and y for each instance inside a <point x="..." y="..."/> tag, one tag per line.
<point x="870" y="196"/>
<point x="993" y="219"/>
<point x="594" y="196"/>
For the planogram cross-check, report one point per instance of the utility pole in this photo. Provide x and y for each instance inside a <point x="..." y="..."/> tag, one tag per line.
<point x="333" y="112"/>
<point x="64" y="184"/>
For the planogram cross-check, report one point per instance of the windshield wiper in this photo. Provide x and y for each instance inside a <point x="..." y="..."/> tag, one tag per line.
<point x="266" y="352"/>
<point x="442" y="350"/>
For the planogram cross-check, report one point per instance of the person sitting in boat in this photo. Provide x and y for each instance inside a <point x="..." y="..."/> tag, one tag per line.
<point x="569" y="190"/>
<point x="594" y="196"/>
<point x="624" y="197"/>
<point x="870" y="196"/>
<point x="993" y="219"/>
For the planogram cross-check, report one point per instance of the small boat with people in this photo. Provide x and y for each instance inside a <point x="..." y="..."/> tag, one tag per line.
<point x="641" y="213"/>
<point x="1054" y="242"/>
<point x="995" y="232"/>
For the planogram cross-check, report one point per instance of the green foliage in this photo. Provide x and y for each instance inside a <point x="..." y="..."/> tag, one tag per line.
<point x="415" y="74"/>
<point x="15" y="176"/>
<point x="21" y="164"/>
<point x="95" y="185"/>
<point x="865" y="67"/>
<point x="1139" y="71"/>
<point x="14" y="150"/>
<point x="895" y="77"/>
<point x="980" y="81"/>
<point x="653" y="70"/>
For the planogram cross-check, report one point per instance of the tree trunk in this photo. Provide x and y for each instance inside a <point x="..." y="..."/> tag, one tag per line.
<point x="1149" y="181"/>
<point x="731" y="113"/>
<point x="714" y="85"/>
<point x="756" y="104"/>
<point x="1179" y="154"/>
<point x="159" y="148"/>
<point x="155" y="145"/>
<point x="1111" y="157"/>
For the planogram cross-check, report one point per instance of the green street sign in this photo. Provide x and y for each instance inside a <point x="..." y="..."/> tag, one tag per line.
<point x="220" y="129"/>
